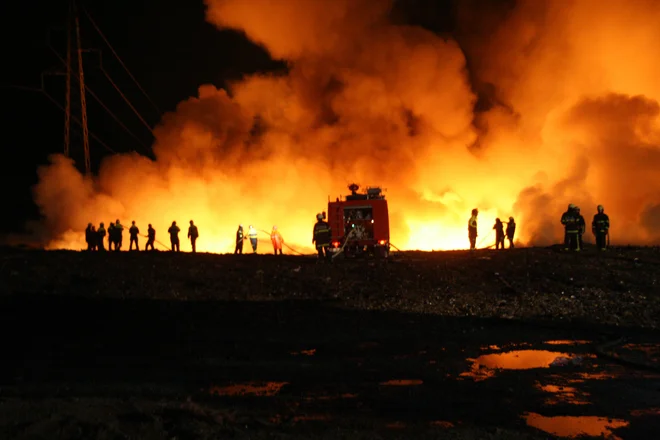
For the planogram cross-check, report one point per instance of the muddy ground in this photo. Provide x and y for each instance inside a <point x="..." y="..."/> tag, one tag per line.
<point x="491" y="344"/>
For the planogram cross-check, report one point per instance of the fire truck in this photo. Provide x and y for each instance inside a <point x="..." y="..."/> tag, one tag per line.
<point x="360" y="223"/>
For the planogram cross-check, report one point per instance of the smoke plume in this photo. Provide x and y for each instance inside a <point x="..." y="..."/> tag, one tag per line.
<point x="538" y="105"/>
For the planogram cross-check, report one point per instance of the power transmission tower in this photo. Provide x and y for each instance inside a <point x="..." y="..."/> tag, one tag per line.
<point x="67" y="111"/>
<point x="72" y="21"/>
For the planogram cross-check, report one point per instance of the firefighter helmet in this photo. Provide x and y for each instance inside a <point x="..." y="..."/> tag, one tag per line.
<point x="475" y="211"/>
<point x="319" y="216"/>
<point x="571" y="206"/>
<point x="510" y="219"/>
<point x="600" y="208"/>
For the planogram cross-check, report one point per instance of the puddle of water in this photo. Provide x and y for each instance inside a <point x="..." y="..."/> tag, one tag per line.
<point x="570" y="426"/>
<point x="567" y="342"/>
<point x="563" y="394"/>
<point x="249" y="389"/>
<point x="483" y="366"/>
<point x="304" y="352"/>
<point x="652" y="351"/>
<point x="645" y="412"/>
<point x="402" y="382"/>
<point x="442" y="424"/>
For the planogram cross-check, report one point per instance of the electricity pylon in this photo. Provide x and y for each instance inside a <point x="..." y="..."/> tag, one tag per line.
<point x="72" y="21"/>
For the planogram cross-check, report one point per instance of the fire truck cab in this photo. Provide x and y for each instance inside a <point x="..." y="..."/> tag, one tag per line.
<point x="360" y="223"/>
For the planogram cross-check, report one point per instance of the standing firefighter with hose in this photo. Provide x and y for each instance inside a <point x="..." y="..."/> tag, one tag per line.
<point x="510" y="231"/>
<point x="239" y="240"/>
<point x="151" y="238"/>
<point x="472" y="229"/>
<point x="252" y="235"/>
<point x="322" y="237"/>
<point x="600" y="226"/>
<point x="276" y="239"/>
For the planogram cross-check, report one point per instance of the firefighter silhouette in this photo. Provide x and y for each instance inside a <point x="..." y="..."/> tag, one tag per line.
<point x="321" y="237"/>
<point x="174" y="237"/>
<point x="239" y="240"/>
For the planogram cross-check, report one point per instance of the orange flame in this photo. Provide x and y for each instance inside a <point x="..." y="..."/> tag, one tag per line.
<point x="572" y="118"/>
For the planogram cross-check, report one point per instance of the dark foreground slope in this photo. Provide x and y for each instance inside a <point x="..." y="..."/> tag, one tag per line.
<point x="443" y="345"/>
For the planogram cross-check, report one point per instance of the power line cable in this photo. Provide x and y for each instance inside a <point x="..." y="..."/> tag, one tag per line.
<point x="120" y="60"/>
<point x="126" y="99"/>
<point x="77" y="121"/>
<point x="54" y="101"/>
<point x="91" y="92"/>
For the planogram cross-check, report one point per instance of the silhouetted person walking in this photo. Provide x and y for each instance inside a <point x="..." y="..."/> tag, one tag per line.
<point x="151" y="237"/>
<point x="193" y="233"/>
<point x="174" y="237"/>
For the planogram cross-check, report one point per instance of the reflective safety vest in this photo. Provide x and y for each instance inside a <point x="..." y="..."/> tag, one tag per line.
<point x="570" y="220"/>
<point x="601" y="222"/>
<point x="252" y="233"/>
<point x="322" y="234"/>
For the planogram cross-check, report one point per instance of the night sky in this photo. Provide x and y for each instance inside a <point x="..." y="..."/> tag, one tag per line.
<point x="166" y="45"/>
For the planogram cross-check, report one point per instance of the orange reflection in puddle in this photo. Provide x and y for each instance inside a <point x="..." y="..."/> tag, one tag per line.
<point x="570" y="426"/>
<point x="645" y="412"/>
<point x="250" y="388"/>
<point x="483" y="366"/>
<point x="442" y="424"/>
<point x="567" y="342"/>
<point x="563" y="394"/>
<point x="304" y="352"/>
<point x="652" y="351"/>
<point x="402" y="382"/>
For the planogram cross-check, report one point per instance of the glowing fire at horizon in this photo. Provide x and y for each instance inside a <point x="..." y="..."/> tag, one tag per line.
<point x="572" y="118"/>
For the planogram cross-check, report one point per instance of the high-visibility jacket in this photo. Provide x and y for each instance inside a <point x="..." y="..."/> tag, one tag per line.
<point x="252" y="233"/>
<point x="600" y="223"/>
<point x="322" y="234"/>
<point x="276" y="238"/>
<point x="239" y="235"/>
<point x="571" y="222"/>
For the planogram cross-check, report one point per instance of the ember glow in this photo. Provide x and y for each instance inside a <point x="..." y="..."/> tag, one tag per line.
<point x="570" y="116"/>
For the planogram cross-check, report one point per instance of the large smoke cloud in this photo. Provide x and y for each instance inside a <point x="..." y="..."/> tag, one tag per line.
<point x="572" y="117"/>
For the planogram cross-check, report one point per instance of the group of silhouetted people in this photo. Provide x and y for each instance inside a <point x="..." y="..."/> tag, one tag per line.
<point x="95" y="238"/>
<point x="499" y="229"/>
<point x="575" y="227"/>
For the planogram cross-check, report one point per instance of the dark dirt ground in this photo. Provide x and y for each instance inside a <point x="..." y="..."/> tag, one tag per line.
<point x="165" y="346"/>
